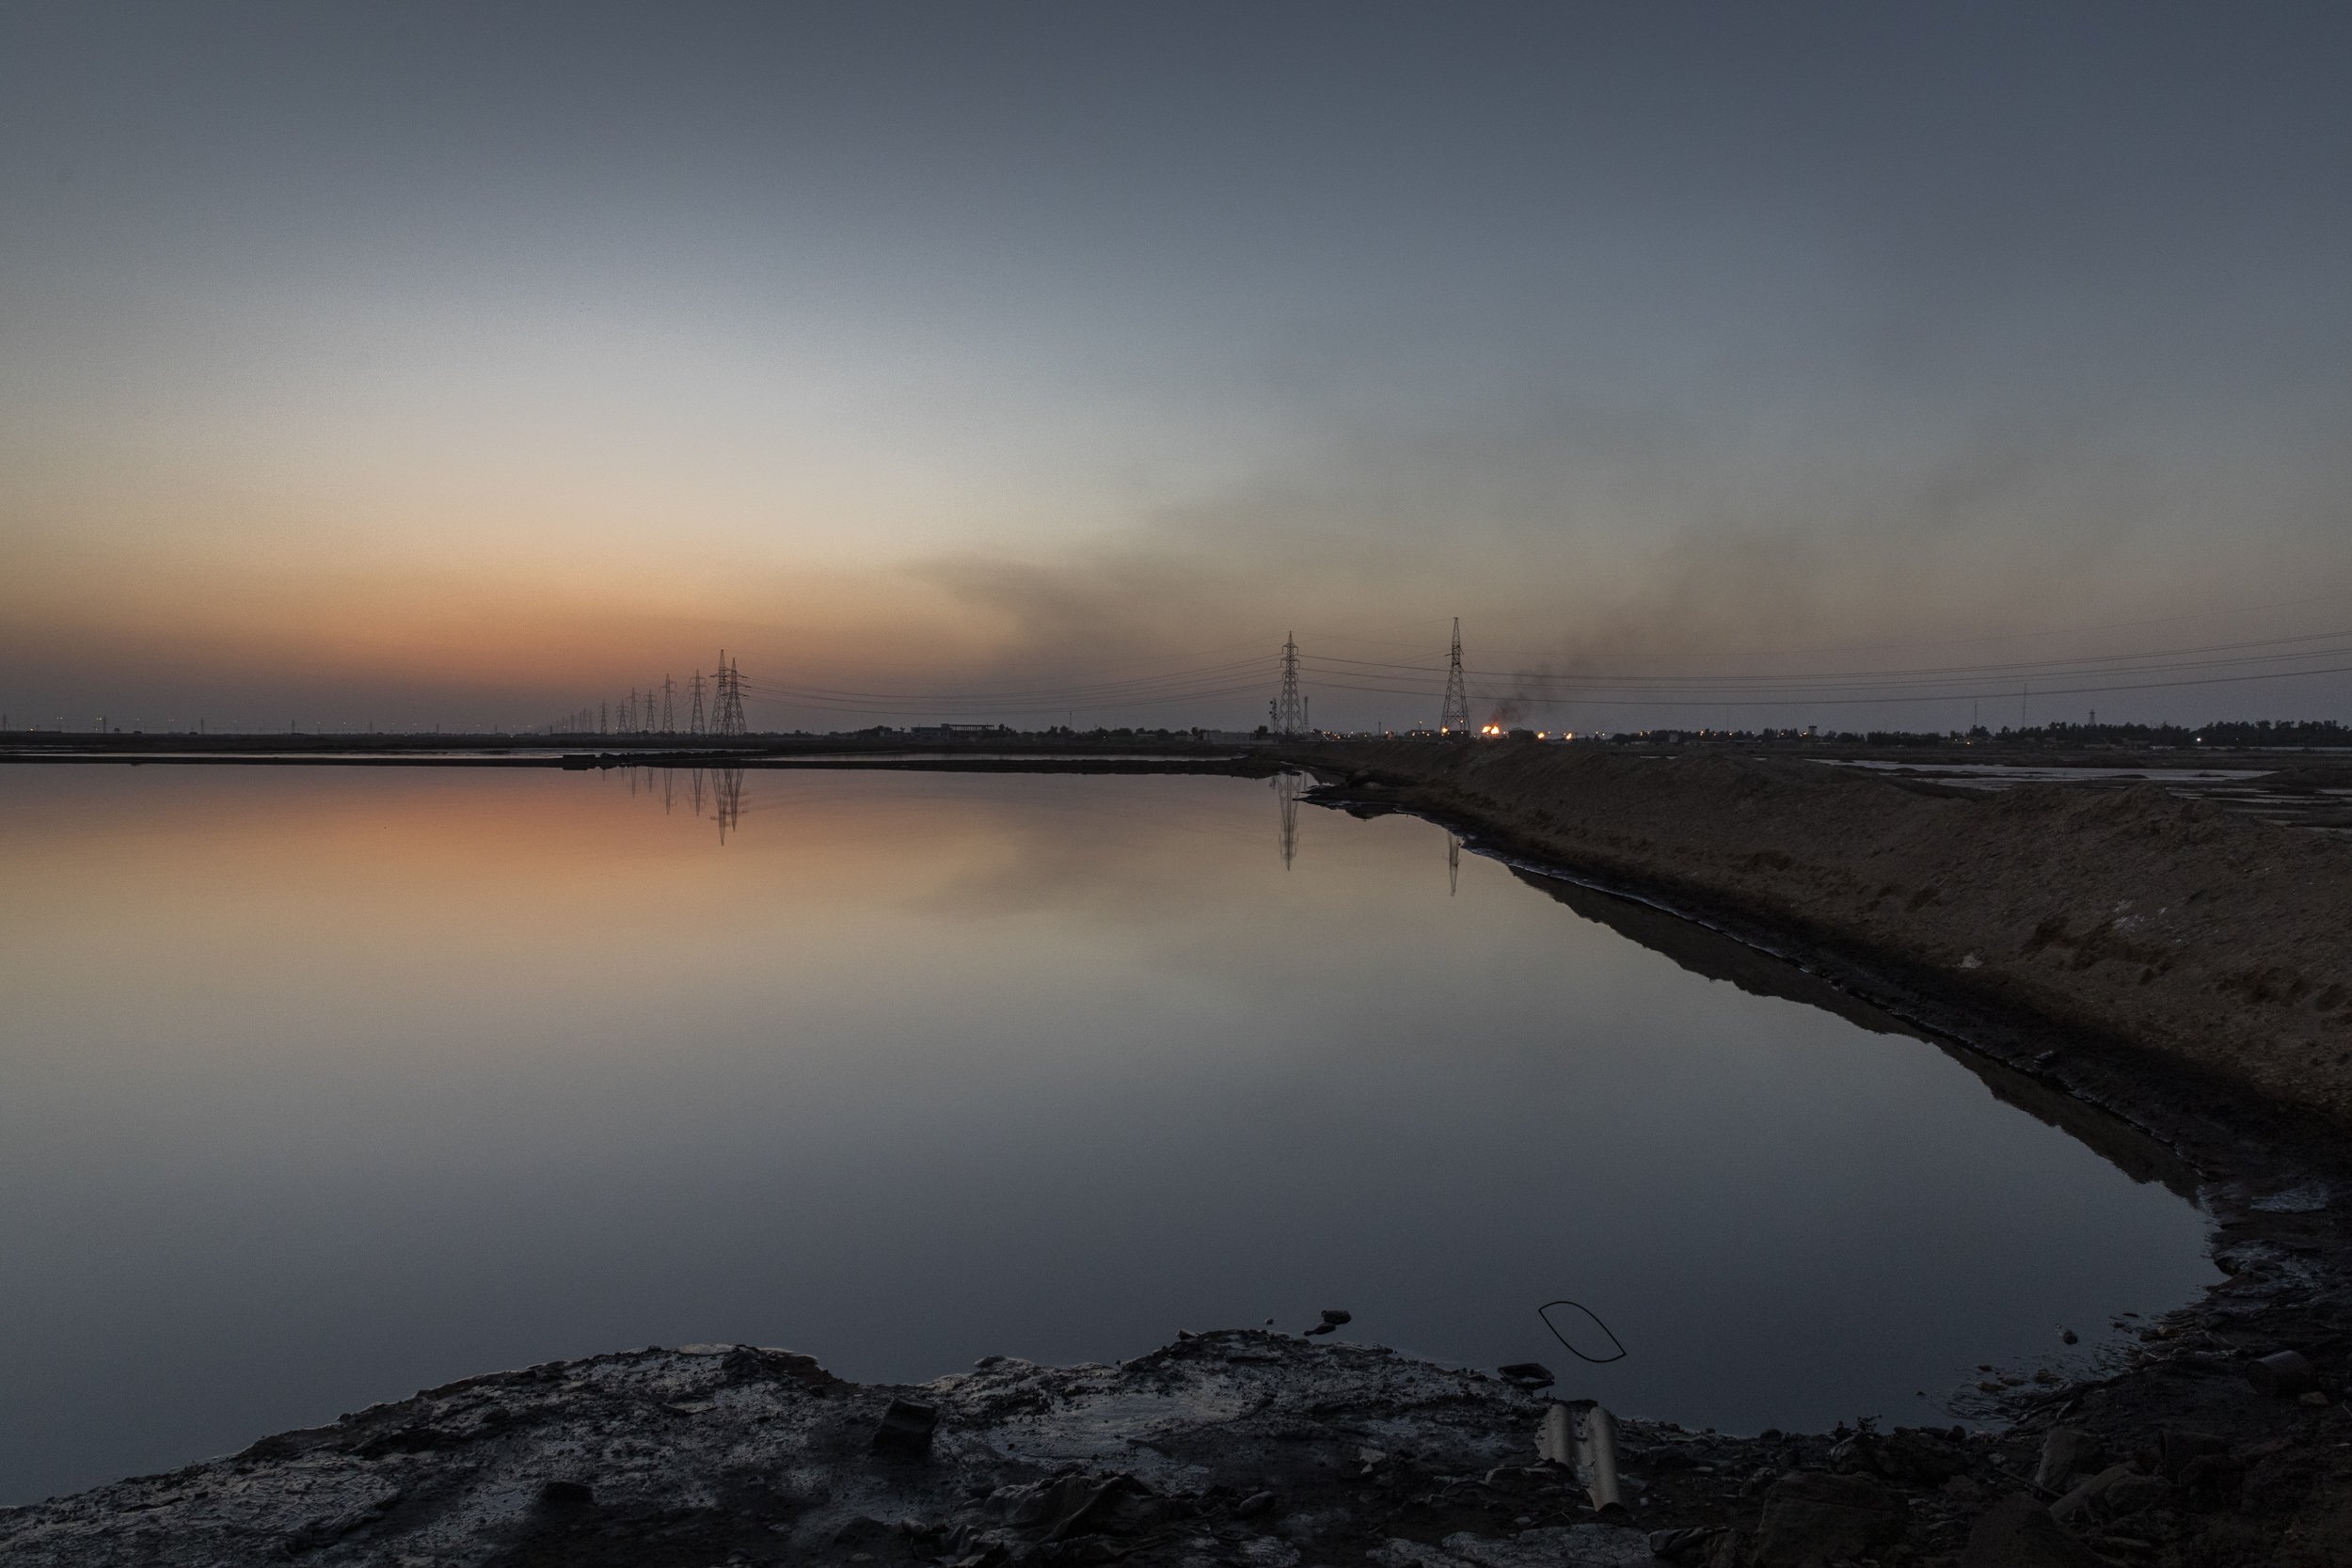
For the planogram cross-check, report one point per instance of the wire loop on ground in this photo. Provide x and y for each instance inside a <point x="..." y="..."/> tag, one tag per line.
<point x="1545" y="1312"/>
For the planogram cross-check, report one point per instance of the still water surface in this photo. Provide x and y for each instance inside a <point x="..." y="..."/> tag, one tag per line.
<point x="318" y="1087"/>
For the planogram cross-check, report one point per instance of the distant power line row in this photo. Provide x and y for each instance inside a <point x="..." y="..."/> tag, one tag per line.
<point x="715" y="704"/>
<point x="713" y="707"/>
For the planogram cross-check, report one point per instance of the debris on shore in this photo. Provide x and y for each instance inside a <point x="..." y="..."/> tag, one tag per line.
<point x="1241" y="1448"/>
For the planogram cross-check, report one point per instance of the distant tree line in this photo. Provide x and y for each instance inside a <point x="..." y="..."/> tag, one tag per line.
<point x="2232" y="733"/>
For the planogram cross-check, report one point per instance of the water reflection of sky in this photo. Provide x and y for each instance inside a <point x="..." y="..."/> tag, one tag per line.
<point x="326" y="1086"/>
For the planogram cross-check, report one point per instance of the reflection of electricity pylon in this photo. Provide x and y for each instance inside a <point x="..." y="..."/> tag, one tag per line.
<point x="695" y="783"/>
<point x="1286" y="789"/>
<point x="726" y="799"/>
<point x="1454" y="715"/>
<point x="1290" y="710"/>
<point x="1452" y="866"/>
<point x="668" y="778"/>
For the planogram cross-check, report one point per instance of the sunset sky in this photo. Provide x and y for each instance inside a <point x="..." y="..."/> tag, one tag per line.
<point x="468" y="364"/>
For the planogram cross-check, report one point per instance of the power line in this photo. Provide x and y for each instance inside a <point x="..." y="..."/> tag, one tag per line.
<point x="1789" y="699"/>
<point x="2060" y="667"/>
<point x="716" y="704"/>
<point x="1219" y="673"/>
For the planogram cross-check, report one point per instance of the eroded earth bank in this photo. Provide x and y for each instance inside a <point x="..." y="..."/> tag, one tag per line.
<point x="2131" y="917"/>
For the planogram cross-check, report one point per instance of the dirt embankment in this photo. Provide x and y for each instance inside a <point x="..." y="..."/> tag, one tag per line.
<point x="2169" y="925"/>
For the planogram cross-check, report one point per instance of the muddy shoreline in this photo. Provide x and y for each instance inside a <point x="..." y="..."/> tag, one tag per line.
<point x="1253" y="1448"/>
<point x="2240" y="1144"/>
<point x="2166" y="933"/>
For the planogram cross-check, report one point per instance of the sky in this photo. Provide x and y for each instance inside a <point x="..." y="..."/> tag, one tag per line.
<point x="472" y="365"/>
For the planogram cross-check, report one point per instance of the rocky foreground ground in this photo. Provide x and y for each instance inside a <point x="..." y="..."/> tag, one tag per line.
<point x="1246" y="1449"/>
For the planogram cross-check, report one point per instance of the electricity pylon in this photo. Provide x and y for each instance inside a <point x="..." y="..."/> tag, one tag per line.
<point x="1290" y="710"/>
<point x="1454" y="717"/>
<point x="728" y="717"/>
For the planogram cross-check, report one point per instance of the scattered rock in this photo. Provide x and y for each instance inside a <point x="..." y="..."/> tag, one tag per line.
<point x="2085" y="1502"/>
<point x="861" y="1530"/>
<point x="2178" y="1449"/>
<point x="2309" y="1198"/>
<point x="1812" y="1519"/>
<point x="566" y="1493"/>
<point x="1530" y="1375"/>
<point x="906" y="1428"/>
<point x="1118" y="1504"/>
<point x="1686" y="1545"/>
<point x="2019" y="1532"/>
<point x="1333" y="1317"/>
<point x="1552" y="1546"/>
<point x="2066" y="1453"/>
<point x="2210" y="1481"/>
<point x="1919" y="1456"/>
<point x="1045" y="1503"/>
<point x="2132" y="1493"/>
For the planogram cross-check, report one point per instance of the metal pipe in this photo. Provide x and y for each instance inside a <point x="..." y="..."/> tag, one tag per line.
<point x="1597" y="1460"/>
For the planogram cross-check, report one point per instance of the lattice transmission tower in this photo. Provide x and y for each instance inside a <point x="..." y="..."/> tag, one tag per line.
<point x="695" y="724"/>
<point x="1290" y="708"/>
<point x="669" y="706"/>
<point x="1454" y="717"/>
<point x="727" y="714"/>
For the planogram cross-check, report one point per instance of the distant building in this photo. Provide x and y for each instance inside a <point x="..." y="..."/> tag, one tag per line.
<point x="960" y="732"/>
